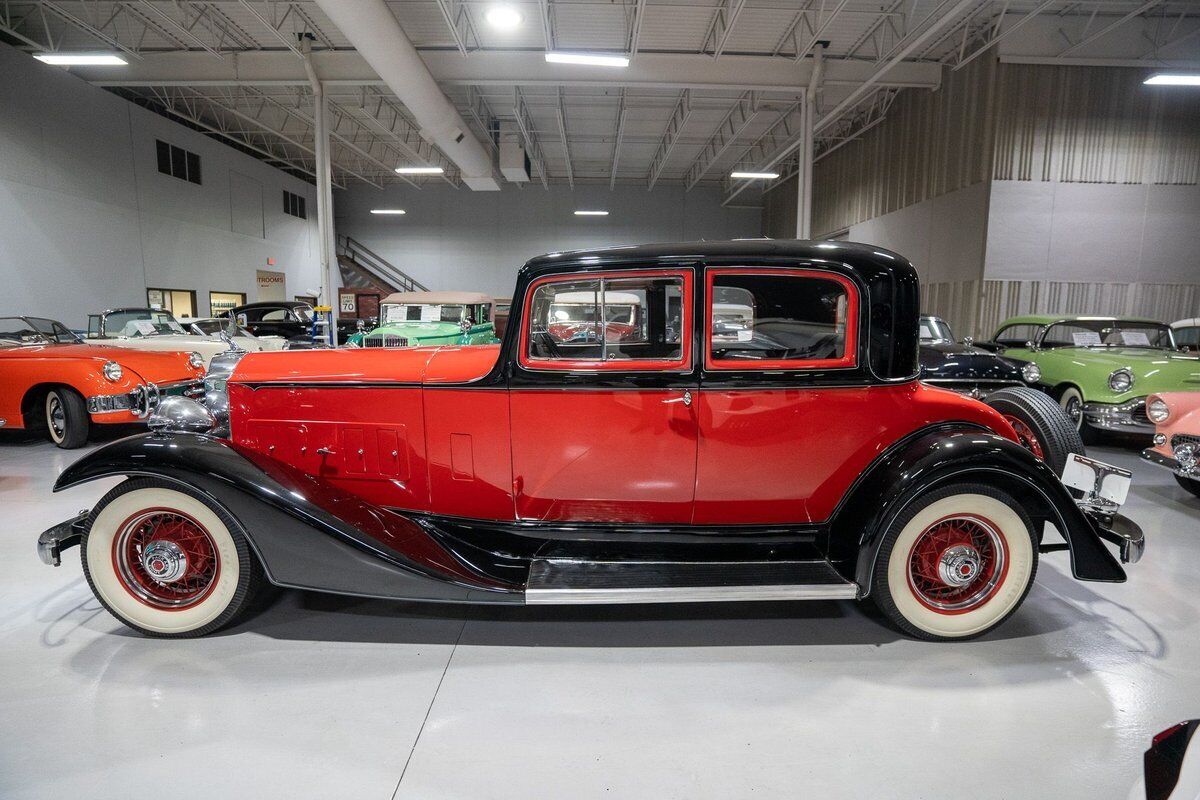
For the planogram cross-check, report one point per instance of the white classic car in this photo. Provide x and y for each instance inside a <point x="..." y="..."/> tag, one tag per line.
<point x="215" y="326"/>
<point x="152" y="329"/>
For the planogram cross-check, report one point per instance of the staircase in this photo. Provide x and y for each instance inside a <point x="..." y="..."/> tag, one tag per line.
<point x="363" y="268"/>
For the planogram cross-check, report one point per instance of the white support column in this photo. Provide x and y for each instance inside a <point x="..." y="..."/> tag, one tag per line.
<point x="804" y="176"/>
<point x="331" y="277"/>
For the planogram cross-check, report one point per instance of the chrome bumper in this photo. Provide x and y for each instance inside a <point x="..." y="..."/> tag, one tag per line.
<point x="1129" y="417"/>
<point x="62" y="536"/>
<point x="1166" y="462"/>
<point x="1121" y="531"/>
<point x="143" y="399"/>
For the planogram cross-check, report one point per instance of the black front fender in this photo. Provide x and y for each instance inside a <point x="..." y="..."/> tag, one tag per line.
<point x="307" y="533"/>
<point x="952" y="453"/>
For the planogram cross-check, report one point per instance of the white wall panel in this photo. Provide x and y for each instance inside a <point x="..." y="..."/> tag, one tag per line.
<point x="87" y="221"/>
<point x="458" y="239"/>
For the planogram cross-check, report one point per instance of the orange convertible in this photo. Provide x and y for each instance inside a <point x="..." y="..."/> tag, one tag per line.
<point x="49" y="380"/>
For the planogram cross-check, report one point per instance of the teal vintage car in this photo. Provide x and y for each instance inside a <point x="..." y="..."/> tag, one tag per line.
<point x="1100" y="369"/>
<point x="414" y="319"/>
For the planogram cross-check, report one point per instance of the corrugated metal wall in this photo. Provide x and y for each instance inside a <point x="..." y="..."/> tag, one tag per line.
<point x="930" y="143"/>
<point x="1163" y="301"/>
<point x="1093" y="125"/>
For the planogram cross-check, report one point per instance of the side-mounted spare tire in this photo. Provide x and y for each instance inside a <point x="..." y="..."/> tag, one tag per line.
<point x="1042" y="426"/>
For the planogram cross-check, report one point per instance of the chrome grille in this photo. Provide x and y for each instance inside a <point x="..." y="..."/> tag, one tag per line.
<point x="384" y="340"/>
<point x="1184" y="438"/>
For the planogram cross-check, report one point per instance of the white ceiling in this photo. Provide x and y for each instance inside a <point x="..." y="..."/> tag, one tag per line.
<point x="726" y="72"/>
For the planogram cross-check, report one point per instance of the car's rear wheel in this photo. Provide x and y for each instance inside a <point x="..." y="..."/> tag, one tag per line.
<point x="955" y="563"/>
<point x="67" y="420"/>
<point x="1041" y="425"/>
<point x="166" y="562"/>
<point x="1191" y="484"/>
<point x="1071" y="402"/>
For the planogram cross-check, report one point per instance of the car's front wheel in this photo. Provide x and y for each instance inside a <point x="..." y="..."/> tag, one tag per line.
<point x="166" y="562"/>
<point x="955" y="563"/>
<point x="1071" y="402"/>
<point x="67" y="419"/>
<point x="1191" y="484"/>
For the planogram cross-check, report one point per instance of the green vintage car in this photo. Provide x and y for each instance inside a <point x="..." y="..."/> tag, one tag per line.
<point x="1100" y="369"/>
<point x="414" y="319"/>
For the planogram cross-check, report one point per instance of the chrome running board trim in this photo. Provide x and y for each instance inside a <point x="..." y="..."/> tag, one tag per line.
<point x="573" y="582"/>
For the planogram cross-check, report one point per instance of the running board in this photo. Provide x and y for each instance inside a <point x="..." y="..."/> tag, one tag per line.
<point x="570" y="581"/>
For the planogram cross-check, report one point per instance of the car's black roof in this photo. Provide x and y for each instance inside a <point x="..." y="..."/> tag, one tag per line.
<point x="865" y="257"/>
<point x="273" y="304"/>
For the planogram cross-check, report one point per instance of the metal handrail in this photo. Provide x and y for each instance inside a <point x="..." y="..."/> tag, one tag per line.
<point x="368" y="259"/>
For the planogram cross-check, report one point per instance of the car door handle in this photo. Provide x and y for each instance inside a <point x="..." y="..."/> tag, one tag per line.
<point x="686" y="399"/>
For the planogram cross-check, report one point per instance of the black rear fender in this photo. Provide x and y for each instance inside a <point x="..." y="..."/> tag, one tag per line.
<point x="952" y="453"/>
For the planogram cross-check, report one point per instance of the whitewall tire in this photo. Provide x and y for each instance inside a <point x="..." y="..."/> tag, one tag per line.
<point x="166" y="562"/>
<point x="955" y="563"/>
<point x="1071" y="402"/>
<point x="67" y="420"/>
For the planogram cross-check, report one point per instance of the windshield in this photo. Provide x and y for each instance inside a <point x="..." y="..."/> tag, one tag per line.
<point x="141" y="322"/>
<point x="214" y="327"/>
<point x="1109" y="333"/>
<point x="421" y="312"/>
<point x="15" y="331"/>
<point x="934" y="330"/>
<point x="305" y="313"/>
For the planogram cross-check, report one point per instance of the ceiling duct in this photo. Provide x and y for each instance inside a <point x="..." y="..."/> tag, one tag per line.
<point x="376" y="34"/>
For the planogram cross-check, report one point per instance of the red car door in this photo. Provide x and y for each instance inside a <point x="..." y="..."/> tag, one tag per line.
<point x="602" y="408"/>
<point x="771" y="448"/>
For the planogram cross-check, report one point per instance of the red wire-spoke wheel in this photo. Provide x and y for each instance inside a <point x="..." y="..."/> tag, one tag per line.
<point x="165" y="558"/>
<point x="1027" y="437"/>
<point x="957" y="563"/>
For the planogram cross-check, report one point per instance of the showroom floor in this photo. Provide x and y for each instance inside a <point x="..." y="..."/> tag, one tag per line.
<point x="331" y="697"/>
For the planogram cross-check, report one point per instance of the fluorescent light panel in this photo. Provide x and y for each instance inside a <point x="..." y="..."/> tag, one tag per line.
<point x="420" y="170"/>
<point x="387" y="210"/>
<point x="755" y="176"/>
<point x="505" y="18"/>
<point x="1173" y="79"/>
<point x="82" y="59"/>
<point x="590" y="59"/>
<point x="584" y="213"/>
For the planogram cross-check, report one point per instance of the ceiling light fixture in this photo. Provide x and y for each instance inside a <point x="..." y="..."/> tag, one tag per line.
<point x="387" y="210"/>
<point x="1169" y="79"/>
<point x="590" y="59"/>
<point x="583" y="213"/>
<point x="754" y="176"/>
<point x="505" y="18"/>
<point x="82" y="59"/>
<point x="420" y="170"/>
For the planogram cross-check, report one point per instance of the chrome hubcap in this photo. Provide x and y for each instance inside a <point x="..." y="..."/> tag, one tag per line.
<point x="959" y="565"/>
<point x="164" y="561"/>
<point x="58" y="419"/>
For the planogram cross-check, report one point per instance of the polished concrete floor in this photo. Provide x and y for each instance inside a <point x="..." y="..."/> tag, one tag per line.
<point x="325" y="697"/>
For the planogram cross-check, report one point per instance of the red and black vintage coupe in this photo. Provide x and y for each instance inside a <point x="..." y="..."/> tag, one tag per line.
<point x="760" y="434"/>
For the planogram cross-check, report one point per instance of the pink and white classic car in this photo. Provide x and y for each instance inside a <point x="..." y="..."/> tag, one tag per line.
<point x="1176" y="416"/>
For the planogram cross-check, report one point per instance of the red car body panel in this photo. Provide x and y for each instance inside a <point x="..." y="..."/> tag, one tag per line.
<point x="743" y="456"/>
<point x="790" y="455"/>
<point x="78" y="366"/>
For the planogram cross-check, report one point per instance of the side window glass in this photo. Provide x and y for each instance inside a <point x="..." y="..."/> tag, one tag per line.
<point x="766" y="320"/>
<point x="608" y="320"/>
<point x="277" y="315"/>
<point x="1187" y="337"/>
<point x="93" y="327"/>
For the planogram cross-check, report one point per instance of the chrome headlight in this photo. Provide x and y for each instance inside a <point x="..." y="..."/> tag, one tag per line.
<point x="196" y="361"/>
<point x="1120" y="380"/>
<point x="181" y="414"/>
<point x="1157" y="410"/>
<point x="1031" y="372"/>
<point x="112" y="370"/>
